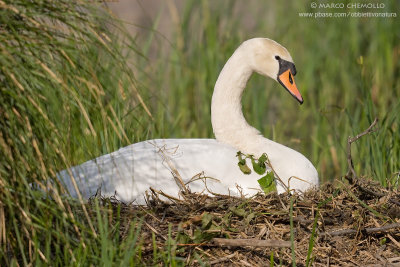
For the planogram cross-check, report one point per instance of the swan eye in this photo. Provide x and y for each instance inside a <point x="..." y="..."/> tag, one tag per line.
<point x="277" y="57"/>
<point x="290" y="78"/>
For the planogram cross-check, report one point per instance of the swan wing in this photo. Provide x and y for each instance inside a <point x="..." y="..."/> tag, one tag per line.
<point x="203" y="164"/>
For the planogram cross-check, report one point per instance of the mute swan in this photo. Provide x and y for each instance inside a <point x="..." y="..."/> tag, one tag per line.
<point x="130" y="171"/>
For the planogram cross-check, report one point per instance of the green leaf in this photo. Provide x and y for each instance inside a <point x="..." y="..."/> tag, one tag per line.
<point x="271" y="259"/>
<point x="182" y="238"/>
<point x="206" y="220"/>
<point x="250" y="217"/>
<point x="238" y="211"/>
<point x="259" y="166"/>
<point x="267" y="183"/>
<point x="244" y="168"/>
<point x="242" y="164"/>
<point x="241" y="160"/>
<point x="198" y="236"/>
<point x="263" y="158"/>
<point x="239" y="155"/>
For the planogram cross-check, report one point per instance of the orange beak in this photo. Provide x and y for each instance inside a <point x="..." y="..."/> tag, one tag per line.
<point x="286" y="79"/>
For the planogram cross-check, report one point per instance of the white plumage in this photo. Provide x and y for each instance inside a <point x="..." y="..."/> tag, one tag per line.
<point x="130" y="171"/>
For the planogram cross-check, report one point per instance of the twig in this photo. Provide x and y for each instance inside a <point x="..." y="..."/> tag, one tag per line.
<point x="192" y="244"/>
<point x="155" y="231"/>
<point x="397" y="243"/>
<point x="223" y="258"/>
<point x="302" y="220"/>
<point x="158" y="192"/>
<point x="362" y="203"/>
<point x="376" y="194"/>
<point x="338" y="233"/>
<point x="174" y="171"/>
<point x="292" y="232"/>
<point x="366" y="230"/>
<point x="245" y="263"/>
<point x="394" y="259"/>
<point x="382" y="228"/>
<point x="224" y="242"/>
<point x="351" y="140"/>
<point x="277" y="176"/>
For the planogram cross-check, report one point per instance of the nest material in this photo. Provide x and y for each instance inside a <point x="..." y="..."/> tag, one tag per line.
<point x="353" y="225"/>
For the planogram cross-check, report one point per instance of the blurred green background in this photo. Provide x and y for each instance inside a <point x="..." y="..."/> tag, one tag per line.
<point x="74" y="84"/>
<point x="348" y="73"/>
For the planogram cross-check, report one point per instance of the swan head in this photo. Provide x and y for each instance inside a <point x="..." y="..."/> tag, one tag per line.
<point x="270" y="59"/>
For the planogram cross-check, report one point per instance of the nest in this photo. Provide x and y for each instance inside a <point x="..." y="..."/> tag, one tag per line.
<point x="333" y="226"/>
<point x="350" y="224"/>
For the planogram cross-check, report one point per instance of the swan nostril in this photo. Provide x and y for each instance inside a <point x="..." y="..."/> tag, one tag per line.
<point x="290" y="78"/>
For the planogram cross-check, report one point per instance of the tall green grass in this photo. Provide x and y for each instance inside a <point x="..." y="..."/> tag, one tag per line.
<point x="65" y="90"/>
<point x="71" y="89"/>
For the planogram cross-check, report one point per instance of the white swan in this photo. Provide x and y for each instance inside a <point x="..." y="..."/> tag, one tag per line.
<point x="130" y="171"/>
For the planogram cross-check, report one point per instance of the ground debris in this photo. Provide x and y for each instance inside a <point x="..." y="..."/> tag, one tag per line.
<point x="352" y="227"/>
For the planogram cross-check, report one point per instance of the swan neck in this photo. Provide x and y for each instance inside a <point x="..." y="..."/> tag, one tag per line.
<point x="228" y="122"/>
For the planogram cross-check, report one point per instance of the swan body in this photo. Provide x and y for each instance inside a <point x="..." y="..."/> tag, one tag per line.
<point x="130" y="171"/>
